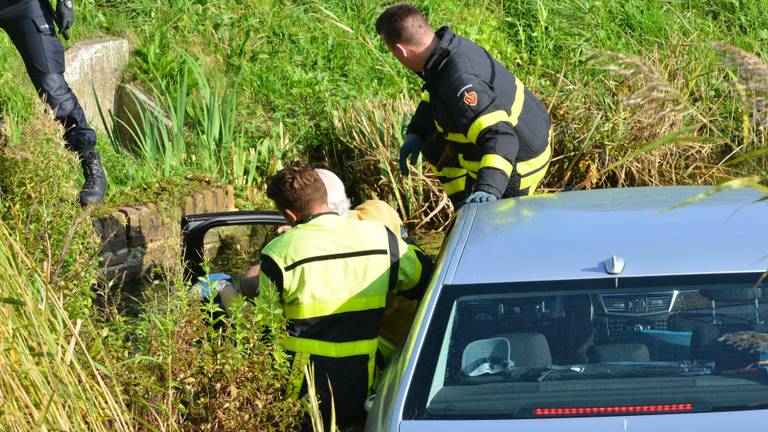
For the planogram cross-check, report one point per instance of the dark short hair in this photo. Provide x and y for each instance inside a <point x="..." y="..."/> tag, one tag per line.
<point x="401" y="23"/>
<point x="297" y="187"/>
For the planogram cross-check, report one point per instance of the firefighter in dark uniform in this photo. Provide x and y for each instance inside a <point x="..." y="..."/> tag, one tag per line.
<point x="332" y="274"/>
<point x="31" y="25"/>
<point x="485" y="135"/>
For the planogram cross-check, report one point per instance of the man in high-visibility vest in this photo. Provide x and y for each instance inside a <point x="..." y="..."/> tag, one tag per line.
<point x="485" y="134"/>
<point x="332" y="275"/>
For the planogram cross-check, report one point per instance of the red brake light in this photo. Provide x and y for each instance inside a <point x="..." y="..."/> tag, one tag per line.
<point x="613" y="410"/>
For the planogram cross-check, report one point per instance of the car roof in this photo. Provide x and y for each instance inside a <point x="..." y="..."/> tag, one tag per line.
<point x="569" y="235"/>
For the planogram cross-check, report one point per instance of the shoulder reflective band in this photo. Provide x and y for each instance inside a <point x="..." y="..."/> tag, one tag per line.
<point x="331" y="349"/>
<point x="492" y="118"/>
<point x="425" y="96"/>
<point x="517" y="104"/>
<point x="636" y="409"/>
<point x="354" y="304"/>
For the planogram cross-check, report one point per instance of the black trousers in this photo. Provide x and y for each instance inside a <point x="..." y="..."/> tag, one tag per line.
<point x="31" y="28"/>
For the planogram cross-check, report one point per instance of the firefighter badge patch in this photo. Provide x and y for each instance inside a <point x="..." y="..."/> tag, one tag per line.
<point x="470" y="98"/>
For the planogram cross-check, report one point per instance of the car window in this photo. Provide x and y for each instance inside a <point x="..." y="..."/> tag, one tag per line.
<point x="594" y="348"/>
<point x="234" y="249"/>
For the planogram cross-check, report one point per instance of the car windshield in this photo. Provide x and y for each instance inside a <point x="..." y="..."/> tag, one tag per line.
<point x="601" y="347"/>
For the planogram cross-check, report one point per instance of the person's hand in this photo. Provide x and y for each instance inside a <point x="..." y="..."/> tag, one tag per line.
<point x="412" y="146"/>
<point x="479" y="197"/>
<point x="65" y="14"/>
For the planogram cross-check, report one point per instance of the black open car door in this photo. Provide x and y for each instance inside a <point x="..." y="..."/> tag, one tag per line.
<point x="194" y="229"/>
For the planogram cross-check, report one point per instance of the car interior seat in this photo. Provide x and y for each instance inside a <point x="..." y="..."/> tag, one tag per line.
<point x="740" y="294"/>
<point x="619" y="352"/>
<point x="486" y="357"/>
<point x="529" y="350"/>
<point x="708" y="341"/>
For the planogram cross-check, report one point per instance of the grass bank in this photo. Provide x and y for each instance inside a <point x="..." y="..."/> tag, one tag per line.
<point x="638" y="91"/>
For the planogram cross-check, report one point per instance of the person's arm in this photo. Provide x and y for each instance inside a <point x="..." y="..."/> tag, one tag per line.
<point x="270" y="276"/>
<point x="489" y="126"/>
<point x="413" y="267"/>
<point x="422" y="123"/>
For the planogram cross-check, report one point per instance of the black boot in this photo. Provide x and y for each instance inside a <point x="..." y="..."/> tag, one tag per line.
<point x="95" y="181"/>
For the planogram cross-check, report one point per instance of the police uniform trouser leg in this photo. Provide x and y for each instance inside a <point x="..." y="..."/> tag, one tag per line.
<point x="32" y="30"/>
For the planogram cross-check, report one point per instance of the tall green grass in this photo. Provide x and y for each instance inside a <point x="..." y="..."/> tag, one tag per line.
<point x="48" y="379"/>
<point x="299" y="65"/>
<point x="194" y="130"/>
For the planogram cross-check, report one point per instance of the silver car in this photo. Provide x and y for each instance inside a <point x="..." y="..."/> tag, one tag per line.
<point x="603" y="310"/>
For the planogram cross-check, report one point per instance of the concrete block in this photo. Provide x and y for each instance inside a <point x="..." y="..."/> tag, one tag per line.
<point x="93" y="71"/>
<point x="134" y="106"/>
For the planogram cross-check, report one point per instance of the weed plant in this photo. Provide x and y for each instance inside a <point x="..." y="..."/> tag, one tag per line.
<point x="180" y="372"/>
<point x="52" y="378"/>
<point x="640" y="92"/>
<point x="48" y="378"/>
<point x="637" y="92"/>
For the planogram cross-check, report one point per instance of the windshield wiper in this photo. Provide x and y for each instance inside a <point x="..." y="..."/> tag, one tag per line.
<point x="613" y="370"/>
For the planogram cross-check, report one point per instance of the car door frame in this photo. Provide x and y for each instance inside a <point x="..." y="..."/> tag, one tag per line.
<point x="194" y="228"/>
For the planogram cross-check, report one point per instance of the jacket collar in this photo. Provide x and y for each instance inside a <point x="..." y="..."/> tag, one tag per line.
<point x="314" y="216"/>
<point x="437" y="57"/>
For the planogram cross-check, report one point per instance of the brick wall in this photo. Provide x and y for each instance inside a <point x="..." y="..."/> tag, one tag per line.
<point x="138" y="238"/>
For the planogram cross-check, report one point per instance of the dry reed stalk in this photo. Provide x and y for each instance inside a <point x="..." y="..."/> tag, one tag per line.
<point x="372" y="133"/>
<point x="48" y="381"/>
<point x="674" y="153"/>
<point x="752" y="79"/>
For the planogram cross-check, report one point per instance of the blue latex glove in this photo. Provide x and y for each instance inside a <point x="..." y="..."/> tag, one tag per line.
<point x="209" y="285"/>
<point x="479" y="197"/>
<point x="412" y="146"/>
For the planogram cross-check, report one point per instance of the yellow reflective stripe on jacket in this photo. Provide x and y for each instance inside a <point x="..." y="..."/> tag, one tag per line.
<point x="457" y="178"/>
<point x="452" y="136"/>
<point x="450" y="172"/>
<point x="498" y="162"/>
<point x="471" y="166"/>
<point x="488" y="161"/>
<point x="354" y="304"/>
<point x="525" y="167"/>
<point x="484" y="121"/>
<point x="517" y="105"/>
<point x="490" y="119"/>
<point x="331" y="349"/>
<point x="532" y="181"/>
<point x="455" y="185"/>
